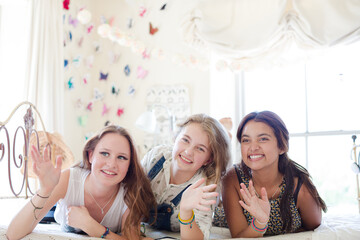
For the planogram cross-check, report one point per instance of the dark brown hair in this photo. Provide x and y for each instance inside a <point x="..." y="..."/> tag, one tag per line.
<point x="139" y="196"/>
<point x="286" y="166"/>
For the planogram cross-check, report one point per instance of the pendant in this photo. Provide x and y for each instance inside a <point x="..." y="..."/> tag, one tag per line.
<point x="102" y="211"/>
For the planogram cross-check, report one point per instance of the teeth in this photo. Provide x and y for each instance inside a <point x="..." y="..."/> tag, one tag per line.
<point x="186" y="160"/>
<point x="255" y="156"/>
<point x="107" y="172"/>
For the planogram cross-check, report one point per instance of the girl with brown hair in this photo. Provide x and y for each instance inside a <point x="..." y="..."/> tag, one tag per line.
<point x="106" y="194"/>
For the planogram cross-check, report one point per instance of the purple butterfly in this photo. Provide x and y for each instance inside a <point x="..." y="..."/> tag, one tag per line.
<point x="103" y="76"/>
<point x="73" y="21"/>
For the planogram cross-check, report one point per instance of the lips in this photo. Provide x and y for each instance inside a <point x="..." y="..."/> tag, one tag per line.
<point x="109" y="173"/>
<point x="256" y="157"/>
<point x="184" y="159"/>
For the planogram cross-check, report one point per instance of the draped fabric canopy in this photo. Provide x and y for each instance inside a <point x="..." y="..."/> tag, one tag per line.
<point x="249" y="32"/>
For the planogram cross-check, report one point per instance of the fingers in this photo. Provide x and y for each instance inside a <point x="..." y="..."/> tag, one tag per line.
<point x="209" y="188"/>
<point x="198" y="183"/>
<point x="210" y="195"/>
<point x="252" y="188"/>
<point x="59" y="161"/>
<point x="264" y="194"/>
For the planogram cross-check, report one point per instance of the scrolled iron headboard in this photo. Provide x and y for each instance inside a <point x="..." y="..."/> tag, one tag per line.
<point x="22" y="160"/>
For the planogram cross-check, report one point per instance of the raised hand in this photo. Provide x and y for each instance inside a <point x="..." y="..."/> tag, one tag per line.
<point x="257" y="207"/>
<point x="197" y="197"/>
<point x="43" y="168"/>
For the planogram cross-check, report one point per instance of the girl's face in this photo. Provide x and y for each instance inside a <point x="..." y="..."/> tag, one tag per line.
<point x="259" y="147"/>
<point x="110" y="159"/>
<point x="192" y="149"/>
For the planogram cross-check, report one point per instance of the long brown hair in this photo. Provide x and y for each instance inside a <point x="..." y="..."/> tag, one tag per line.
<point x="286" y="166"/>
<point x="219" y="145"/>
<point x="139" y="196"/>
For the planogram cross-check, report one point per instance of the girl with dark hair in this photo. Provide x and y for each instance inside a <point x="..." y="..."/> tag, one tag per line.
<point x="276" y="194"/>
<point x="107" y="193"/>
<point x="189" y="171"/>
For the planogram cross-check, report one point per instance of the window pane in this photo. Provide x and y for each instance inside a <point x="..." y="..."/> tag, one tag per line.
<point x="297" y="150"/>
<point x="333" y="90"/>
<point x="281" y="90"/>
<point x="329" y="165"/>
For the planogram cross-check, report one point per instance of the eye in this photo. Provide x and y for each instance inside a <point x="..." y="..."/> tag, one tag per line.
<point x="201" y="149"/>
<point x="244" y="140"/>
<point x="264" y="139"/>
<point x="105" y="154"/>
<point x="185" y="140"/>
<point x="122" y="157"/>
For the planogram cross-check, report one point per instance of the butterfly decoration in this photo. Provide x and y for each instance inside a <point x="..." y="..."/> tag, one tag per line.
<point x="88" y="135"/>
<point x="115" y="90"/>
<point x="145" y="54"/>
<point x="127" y="70"/>
<point x="76" y="61"/>
<point x="142" y="11"/>
<point x="80" y="42"/>
<point x="79" y="103"/>
<point x="130" y="23"/>
<point x="163" y="7"/>
<point x="113" y="57"/>
<point x="153" y="30"/>
<point x="89" y="61"/>
<point x="70" y="36"/>
<point x="98" y="95"/>
<point x="86" y="78"/>
<point x="105" y="110"/>
<point x="66" y="4"/>
<point x="89" y="106"/>
<point x="73" y="21"/>
<point x="82" y="120"/>
<point x="97" y="47"/>
<point x="119" y="112"/>
<point x="90" y="28"/>
<point x="103" y="76"/>
<point x="141" y="72"/>
<point x="131" y="90"/>
<point x="66" y="63"/>
<point x="70" y="83"/>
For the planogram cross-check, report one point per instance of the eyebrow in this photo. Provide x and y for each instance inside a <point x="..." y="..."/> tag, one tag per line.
<point x="260" y="135"/>
<point x="108" y="150"/>
<point x="185" y="135"/>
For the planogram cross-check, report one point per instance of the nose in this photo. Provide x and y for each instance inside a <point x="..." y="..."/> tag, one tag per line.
<point x="254" y="146"/>
<point x="189" y="151"/>
<point x="111" y="161"/>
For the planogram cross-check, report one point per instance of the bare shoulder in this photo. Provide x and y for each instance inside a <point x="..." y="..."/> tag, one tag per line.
<point x="230" y="176"/>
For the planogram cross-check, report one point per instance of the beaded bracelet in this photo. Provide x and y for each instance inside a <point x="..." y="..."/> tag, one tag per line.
<point x="259" y="230"/>
<point x="189" y="221"/>
<point x="107" y="230"/>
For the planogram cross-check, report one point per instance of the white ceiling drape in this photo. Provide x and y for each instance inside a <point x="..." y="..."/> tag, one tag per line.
<point x="251" y="32"/>
<point x="45" y="86"/>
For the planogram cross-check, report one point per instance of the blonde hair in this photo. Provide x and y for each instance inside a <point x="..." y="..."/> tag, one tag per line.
<point x="139" y="196"/>
<point x="219" y="142"/>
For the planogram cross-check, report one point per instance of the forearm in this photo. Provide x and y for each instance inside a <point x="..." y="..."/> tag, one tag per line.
<point x="95" y="229"/>
<point x="189" y="230"/>
<point x="254" y="230"/>
<point x="28" y="217"/>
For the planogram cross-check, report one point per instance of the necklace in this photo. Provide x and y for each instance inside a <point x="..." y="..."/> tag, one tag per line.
<point x="102" y="208"/>
<point x="273" y="193"/>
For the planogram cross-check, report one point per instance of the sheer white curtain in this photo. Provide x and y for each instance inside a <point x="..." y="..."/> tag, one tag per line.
<point x="44" y="83"/>
<point x="250" y="32"/>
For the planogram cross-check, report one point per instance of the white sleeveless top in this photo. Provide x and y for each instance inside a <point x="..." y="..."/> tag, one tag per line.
<point x="75" y="197"/>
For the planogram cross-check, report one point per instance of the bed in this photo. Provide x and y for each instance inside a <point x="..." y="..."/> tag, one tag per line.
<point x="333" y="226"/>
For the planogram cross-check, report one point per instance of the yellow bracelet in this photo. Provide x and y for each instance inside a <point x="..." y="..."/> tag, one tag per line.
<point x="189" y="220"/>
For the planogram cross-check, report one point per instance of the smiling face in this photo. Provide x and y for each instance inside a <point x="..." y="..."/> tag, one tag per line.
<point x="259" y="146"/>
<point x="191" y="150"/>
<point x="110" y="159"/>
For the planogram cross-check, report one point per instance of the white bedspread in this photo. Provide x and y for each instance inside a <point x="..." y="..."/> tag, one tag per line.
<point x="333" y="227"/>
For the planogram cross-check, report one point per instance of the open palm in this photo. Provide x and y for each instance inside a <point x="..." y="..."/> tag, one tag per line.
<point x="257" y="207"/>
<point x="44" y="169"/>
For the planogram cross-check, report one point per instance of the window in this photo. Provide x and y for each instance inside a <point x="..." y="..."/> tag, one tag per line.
<point x="318" y="102"/>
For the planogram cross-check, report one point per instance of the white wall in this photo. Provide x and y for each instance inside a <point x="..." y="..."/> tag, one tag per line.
<point x="160" y="71"/>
